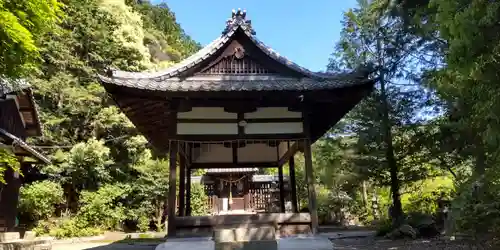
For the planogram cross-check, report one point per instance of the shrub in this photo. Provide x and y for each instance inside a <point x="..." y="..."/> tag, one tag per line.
<point x="65" y="227"/>
<point x="103" y="208"/>
<point x="427" y="195"/>
<point x="198" y="200"/>
<point x="39" y="199"/>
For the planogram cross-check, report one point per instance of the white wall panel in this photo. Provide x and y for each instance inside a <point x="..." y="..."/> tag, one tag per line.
<point x="207" y="128"/>
<point x="274" y="128"/>
<point x="207" y="113"/>
<point x="260" y="152"/>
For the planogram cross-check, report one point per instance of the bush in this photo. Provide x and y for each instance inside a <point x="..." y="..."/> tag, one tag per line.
<point x="103" y="208"/>
<point x="198" y="200"/>
<point x="427" y="195"/>
<point x="65" y="227"/>
<point x="39" y="199"/>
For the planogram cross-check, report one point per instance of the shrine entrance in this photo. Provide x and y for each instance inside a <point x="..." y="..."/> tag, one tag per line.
<point x="234" y="190"/>
<point x="237" y="104"/>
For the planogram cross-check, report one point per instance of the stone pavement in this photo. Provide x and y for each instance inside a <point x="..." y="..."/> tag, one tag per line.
<point x="298" y="242"/>
<point x="289" y="243"/>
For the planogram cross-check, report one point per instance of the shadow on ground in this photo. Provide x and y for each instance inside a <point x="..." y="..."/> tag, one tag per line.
<point x="126" y="244"/>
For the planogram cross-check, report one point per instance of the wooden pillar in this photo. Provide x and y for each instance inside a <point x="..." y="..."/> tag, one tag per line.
<point x="171" y="188"/>
<point x="9" y="199"/>
<point x="188" y="191"/>
<point x="182" y="185"/>
<point x="310" y="185"/>
<point x="282" y="189"/>
<point x="291" y="166"/>
<point x="313" y="208"/>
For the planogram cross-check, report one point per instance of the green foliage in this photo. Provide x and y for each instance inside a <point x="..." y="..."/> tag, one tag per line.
<point x="108" y="172"/>
<point x="103" y="208"/>
<point x="476" y="210"/>
<point x="7" y="160"/>
<point x="85" y="166"/>
<point x="424" y="195"/>
<point x="65" y="227"/>
<point x="151" y="189"/>
<point x="40" y="199"/>
<point x="198" y="200"/>
<point x="22" y="23"/>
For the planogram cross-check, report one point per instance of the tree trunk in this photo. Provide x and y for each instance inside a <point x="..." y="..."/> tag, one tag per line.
<point x="397" y="209"/>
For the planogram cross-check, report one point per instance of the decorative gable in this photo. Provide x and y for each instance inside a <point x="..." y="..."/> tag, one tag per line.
<point x="236" y="60"/>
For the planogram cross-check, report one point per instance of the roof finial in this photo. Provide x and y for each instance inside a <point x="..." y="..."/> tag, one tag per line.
<point x="238" y="18"/>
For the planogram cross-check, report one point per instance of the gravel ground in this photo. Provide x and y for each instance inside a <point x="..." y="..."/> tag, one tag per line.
<point x="374" y="244"/>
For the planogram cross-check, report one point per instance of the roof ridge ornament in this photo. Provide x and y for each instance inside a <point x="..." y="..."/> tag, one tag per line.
<point x="238" y="18"/>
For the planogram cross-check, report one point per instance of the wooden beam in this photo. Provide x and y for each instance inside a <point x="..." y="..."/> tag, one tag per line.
<point x="240" y="220"/>
<point x="171" y="189"/>
<point x="291" y="166"/>
<point x="310" y="175"/>
<point x="182" y="184"/>
<point x="289" y="153"/>
<point x="252" y="120"/>
<point x="232" y="165"/>
<point x="216" y="138"/>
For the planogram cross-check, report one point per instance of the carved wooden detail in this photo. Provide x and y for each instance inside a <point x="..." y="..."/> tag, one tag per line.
<point x="235" y="65"/>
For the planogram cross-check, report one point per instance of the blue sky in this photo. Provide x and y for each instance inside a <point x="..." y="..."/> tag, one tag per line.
<point x="300" y="30"/>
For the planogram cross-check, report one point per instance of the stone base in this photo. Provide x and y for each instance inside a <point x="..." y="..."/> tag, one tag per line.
<point x="267" y="233"/>
<point x="187" y="244"/>
<point x="26" y="245"/>
<point x="250" y="245"/>
<point x="9" y="236"/>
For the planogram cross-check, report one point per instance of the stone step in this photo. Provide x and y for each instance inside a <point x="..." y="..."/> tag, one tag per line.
<point x="244" y="234"/>
<point x="246" y="238"/>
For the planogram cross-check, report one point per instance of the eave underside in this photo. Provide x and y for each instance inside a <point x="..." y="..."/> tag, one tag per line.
<point x="154" y="112"/>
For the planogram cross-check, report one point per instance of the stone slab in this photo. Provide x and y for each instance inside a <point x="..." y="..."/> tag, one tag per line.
<point x="9" y="236"/>
<point x="267" y="233"/>
<point x="187" y="244"/>
<point x="250" y="245"/>
<point x="290" y="243"/>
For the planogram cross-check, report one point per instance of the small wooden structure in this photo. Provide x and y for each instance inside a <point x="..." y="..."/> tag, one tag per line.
<point x="18" y="120"/>
<point x="241" y="190"/>
<point x="235" y="103"/>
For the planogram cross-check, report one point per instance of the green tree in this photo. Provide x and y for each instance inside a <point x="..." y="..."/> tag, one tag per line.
<point x="386" y="122"/>
<point x="22" y="24"/>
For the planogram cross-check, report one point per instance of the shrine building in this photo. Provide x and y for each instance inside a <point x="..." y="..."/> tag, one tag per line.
<point x="236" y="104"/>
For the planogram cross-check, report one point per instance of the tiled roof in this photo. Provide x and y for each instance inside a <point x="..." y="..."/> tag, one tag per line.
<point x="165" y="80"/>
<point x="225" y="84"/>
<point x="9" y="85"/>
